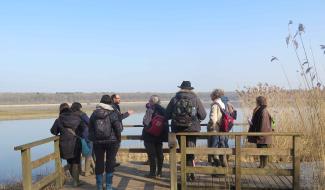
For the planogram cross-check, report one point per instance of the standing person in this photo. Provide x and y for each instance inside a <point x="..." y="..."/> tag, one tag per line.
<point x="186" y="111"/>
<point x="261" y="122"/>
<point x="105" y="131"/>
<point x="214" y="125"/>
<point x="69" y="127"/>
<point x="116" y="105"/>
<point x="89" y="162"/>
<point x="154" y="133"/>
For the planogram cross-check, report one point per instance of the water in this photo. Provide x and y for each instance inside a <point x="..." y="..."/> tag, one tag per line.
<point x="18" y="132"/>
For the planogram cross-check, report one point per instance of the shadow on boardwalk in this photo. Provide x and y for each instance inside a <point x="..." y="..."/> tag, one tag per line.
<point x="128" y="176"/>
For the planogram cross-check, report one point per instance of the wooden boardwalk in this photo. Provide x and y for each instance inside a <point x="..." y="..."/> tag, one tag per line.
<point x="132" y="176"/>
<point x="239" y="175"/>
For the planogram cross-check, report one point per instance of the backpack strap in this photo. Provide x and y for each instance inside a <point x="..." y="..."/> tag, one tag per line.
<point x="222" y="110"/>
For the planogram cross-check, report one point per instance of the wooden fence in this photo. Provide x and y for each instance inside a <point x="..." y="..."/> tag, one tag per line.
<point x="57" y="177"/>
<point x="238" y="152"/>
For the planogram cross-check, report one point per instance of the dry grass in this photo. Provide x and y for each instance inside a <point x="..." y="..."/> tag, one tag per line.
<point x="295" y="111"/>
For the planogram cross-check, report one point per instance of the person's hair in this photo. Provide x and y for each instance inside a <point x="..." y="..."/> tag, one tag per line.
<point x="114" y="96"/>
<point x="261" y="101"/>
<point x="106" y="99"/>
<point x="76" y="106"/>
<point x="154" y="99"/>
<point x="217" y="93"/>
<point x="63" y="107"/>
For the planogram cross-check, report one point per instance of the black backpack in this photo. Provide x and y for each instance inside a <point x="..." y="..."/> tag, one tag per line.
<point x="102" y="128"/>
<point x="182" y="112"/>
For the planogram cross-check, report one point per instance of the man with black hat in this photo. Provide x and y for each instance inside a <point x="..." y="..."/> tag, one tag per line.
<point x="186" y="111"/>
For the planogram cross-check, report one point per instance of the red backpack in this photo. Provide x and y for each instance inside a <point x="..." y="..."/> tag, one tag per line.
<point x="157" y="125"/>
<point x="227" y="122"/>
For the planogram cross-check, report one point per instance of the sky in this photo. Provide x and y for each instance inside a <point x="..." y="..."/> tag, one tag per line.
<point x="152" y="46"/>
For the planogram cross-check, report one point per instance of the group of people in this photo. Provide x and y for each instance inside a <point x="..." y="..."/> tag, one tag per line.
<point x="185" y="110"/>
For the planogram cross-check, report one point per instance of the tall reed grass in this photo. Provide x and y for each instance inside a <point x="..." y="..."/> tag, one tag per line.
<point x="296" y="110"/>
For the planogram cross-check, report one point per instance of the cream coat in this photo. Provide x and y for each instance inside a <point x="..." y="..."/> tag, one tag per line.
<point x="215" y="115"/>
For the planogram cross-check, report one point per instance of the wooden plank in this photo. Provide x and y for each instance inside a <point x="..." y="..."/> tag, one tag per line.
<point x="266" y="172"/>
<point x="172" y="143"/>
<point x="27" y="169"/>
<point x="238" y="161"/>
<point x="45" y="181"/>
<point x="37" y="163"/>
<point x="203" y="124"/>
<point x="284" y="179"/>
<point x="140" y="178"/>
<point x="257" y="179"/>
<point x="210" y="170"/>
<point x="277" y="179"/>
<point x="58" y="166"/>
<point x="206" y="151"/>
<point x="131" y="137"/>
<point x="296" y="164"/>
<point x="138" y="150"/>
<point x="36" y="143"/>
<point x="207" y="134"/>
<point x="266" y="151"/>
<point x="183" y="162"/>
<point x="271" y="181"/>
<point x="251" y="183"/>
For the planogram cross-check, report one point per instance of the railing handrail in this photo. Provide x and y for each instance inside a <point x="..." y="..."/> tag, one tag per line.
<point x="36" y="143"/>
<point x="50" y="139"/>
<point x="238" y="134"/>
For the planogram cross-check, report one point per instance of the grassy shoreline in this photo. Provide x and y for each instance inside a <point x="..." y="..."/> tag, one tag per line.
<point x="47" y="111"/>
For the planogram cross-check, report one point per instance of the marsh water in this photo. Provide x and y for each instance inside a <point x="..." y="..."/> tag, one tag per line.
<point x="18" y="132"/>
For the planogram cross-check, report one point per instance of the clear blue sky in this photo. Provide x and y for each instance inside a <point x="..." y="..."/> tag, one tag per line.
<point x="127" y="46"/>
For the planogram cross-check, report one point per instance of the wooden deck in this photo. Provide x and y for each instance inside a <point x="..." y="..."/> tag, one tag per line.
<point x="132" y="176"/>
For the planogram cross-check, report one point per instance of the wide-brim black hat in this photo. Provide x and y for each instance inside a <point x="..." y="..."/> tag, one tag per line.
<point x="186" y="85"/>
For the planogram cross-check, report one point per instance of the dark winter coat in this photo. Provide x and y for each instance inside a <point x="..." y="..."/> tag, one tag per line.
<point x="69" y="144"/>
<point x="105" y="117"/>
<point x="147" y="137"/>
<point x="120" y="114"/>
<point x="201" y="113"/>
<point x="261" y="122"/>
<point x="84" y="117"/>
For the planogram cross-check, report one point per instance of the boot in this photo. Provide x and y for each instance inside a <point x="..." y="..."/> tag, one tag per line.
<point x="88" y="168"/>
<point x="152" y="173"/>
<point x="159" y="170"/>
<point x="75" y="175"/>
<point x="99" y="182"/>
<point x="109" y="181"/>
<point x="223" y="160"/>
<point x="263" y="161"/>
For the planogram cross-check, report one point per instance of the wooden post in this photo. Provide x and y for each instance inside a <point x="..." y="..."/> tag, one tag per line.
<point x="238" y="167"/>
<point x="27" y="169"/>
<point x="183" y="162"/>
<point x="172" y="143"/>
<point x="296" y="163"/>
<point x="58" y="165"/>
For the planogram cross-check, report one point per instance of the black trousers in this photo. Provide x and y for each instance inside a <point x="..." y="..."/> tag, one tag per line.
<point x="155" y="156"/>
<point x="111" y="151"/>
<point x="190" y="142"/>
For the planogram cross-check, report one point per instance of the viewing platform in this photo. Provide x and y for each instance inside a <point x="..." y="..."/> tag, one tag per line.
<point x="131" y="175"/>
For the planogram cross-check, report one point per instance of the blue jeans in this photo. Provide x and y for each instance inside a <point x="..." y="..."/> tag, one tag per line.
<point x="217" y="142"/>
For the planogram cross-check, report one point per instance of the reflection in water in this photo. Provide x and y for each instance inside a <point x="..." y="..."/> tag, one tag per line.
<point x="19" y="132"/>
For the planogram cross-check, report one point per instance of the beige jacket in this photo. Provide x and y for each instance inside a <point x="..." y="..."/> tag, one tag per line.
<point x="215" y="116"/>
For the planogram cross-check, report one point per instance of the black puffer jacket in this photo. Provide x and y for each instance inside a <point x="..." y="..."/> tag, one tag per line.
<point x="158" y="109"/>
<point x="200" y="111"/>
<point x="104" y="125"/>
<point x="70" y="145"/>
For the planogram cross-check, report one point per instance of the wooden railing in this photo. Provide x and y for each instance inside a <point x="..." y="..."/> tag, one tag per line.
<point x="58" y="175"/>
<point x="28" y="165"/>
<point x="238" y="152"/>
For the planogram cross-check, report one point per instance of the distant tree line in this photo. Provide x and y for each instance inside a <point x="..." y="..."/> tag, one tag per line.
<point x="59" y="97"/>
